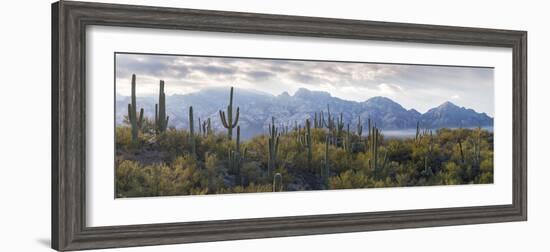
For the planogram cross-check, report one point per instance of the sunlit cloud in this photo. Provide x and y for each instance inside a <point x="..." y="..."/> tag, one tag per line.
<point x="389" y="89"/>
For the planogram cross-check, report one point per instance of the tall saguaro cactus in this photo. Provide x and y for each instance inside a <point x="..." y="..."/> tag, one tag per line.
<point x="369" y="125"/>
<point x="340" y="124"/>
<point x="325" y="167"/>
<point x="417" y="135"/>
<point x="192" y="132"/>
<point x="330" y="121"/>
<point x="273" y="145"/>
<point x="346" y="143"/>
<point x="319" y="122"/>
<point x="374" y="147"/>
<point x="315" y="120"/>
<point x="359" y="127"/>
<point x="134" y="120"/>
<point x="374" y="162"/>
<point x="308" y="143"/>
<point x="476" y="152"/>
<point x="200" y="127"/>
<point x="227" y="120"/>
<point x="161" y="120"/>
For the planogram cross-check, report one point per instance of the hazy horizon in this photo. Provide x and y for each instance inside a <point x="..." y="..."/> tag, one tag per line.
<point x="418" y="87"/>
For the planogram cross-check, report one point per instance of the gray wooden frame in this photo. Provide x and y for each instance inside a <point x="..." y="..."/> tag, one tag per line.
<point x="69" y="20"/>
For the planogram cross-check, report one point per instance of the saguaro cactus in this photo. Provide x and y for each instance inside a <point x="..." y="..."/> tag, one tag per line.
<point x="461" y="150"/>
<point x="192" y="142"/>
<point x="374" y="162"/>
<point x="227" y="120"/>
<point x="325" y="167"/>
<point x="299" y="137"/>
<point x="359" y="127"/>
<point x="417" y="136"/>
<point x="315" y="119"/>
<point x="330" y="121"/>
<point x="238" y="140"/>
<point x="369" y="125"/>
<point x="273" y="145"/>
<point x="161" y="120"/>
<point x="200" y="127"/>
<point x="374" y="148"/>
<point x="206" y="127"/>
<point x="427" y="172"/>
<point x="236" y="158"/>
<point x="476" y="153"/>
<point x="340" y="124"/>
<point x="278" y="182"/>
<point x="308" y="143"/>
<point x="346" y="143"/>
<point x="319" y="121"/>
<point x="134" y="120"/>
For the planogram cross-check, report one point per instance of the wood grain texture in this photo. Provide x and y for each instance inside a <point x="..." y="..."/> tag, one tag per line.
<point x="69" y="21"/>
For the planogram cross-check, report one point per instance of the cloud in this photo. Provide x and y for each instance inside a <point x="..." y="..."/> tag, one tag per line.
<point x="260" y="75"/>
<point x="389" y="89"/>
<point x="214" y="69"/>
<point x="413" y="86"/>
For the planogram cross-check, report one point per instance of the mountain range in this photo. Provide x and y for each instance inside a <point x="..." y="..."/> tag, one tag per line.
<point x="257" y="108"/>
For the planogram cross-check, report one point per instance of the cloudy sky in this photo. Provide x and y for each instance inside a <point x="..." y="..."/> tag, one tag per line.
<point x="412" y="86"/>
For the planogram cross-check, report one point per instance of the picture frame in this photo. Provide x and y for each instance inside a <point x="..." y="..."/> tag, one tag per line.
<point x="69" y="22"/>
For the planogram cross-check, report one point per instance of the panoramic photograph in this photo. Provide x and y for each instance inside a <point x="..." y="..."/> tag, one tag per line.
<point x="195" y="125"/>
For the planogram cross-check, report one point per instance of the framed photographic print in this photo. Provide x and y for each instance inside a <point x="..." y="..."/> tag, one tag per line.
<point x="178" y="125"/>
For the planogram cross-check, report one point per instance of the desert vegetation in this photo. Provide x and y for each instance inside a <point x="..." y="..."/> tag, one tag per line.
<point x="321" y="153"/>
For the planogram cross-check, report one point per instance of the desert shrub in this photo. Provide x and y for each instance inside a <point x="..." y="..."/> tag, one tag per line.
<point x="452" y="173"/>
<point x="162" y="164"/>
<point x="348" y="180"/>
<point x="129" y="179"/>
<point x="251" y="173"/>
<point x="174" y="142"/>
<point x="252" y="188"/>
<point x="123" y="137"/>
<point x="486" y="178"/>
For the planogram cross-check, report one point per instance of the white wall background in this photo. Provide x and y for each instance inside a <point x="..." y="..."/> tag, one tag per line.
<point x="25" y="125"/>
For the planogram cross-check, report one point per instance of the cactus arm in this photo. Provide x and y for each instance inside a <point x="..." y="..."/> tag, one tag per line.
<point x="130" y="120"/>
<point x="200" y="127"/>
<point x="222" y="117"/>
<point x="140" y="120"/>
<point x="236" y="118"/>
<point x="238" y="140"/>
